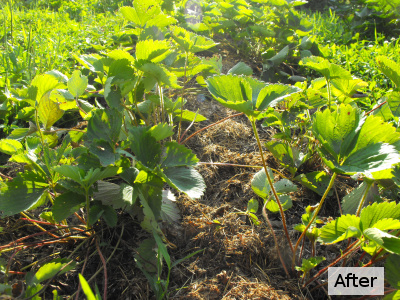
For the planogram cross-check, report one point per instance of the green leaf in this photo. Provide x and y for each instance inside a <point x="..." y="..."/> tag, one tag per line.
<point x="142" y="11"/>
<point x="112" y="94"/>
<point x="95" y="175"/>
<point x="272" y="94"/>
<point x="145" y="147"/>
<point x="49" y="111"/>
<point x="10" y="147"/>
<point x="186" y="180"/>
<point x="317" y="181"/>
<point x="77" y="84"/>
<point x="286" y="203"/>
<point x="346" y="88"/>
<point x="161" y="131"/>
<point x="189" y="41"/>
<point x="117" y="196"/>
<point x="104" y="151"/>
<point x="26" y="191"/>
<point x="160" y="74"/>
<point x="188" y="116"/>
<point x="20" y="133"/>
<point x="327" y="69"/>
<point x="231" y="91"/>
<point x="240" y="69"/>
<point x="352" y="144"/>
<point x="351" y="201"/>
<point x="105" y="125"/>
<point x="277" y="59"/>
<point x="161" y="21"/>
<point x="393" y="296"/>
<point x="152" y="50"/>
<point x="392" y="270"/>
<point x="86" y="288"/>
<point x="289" y="157"/>
<point x="162" y="248"/>
<point x="66" y="204"/>
<point x="337" y="130"/>
<point x="260" y="184"/>
<point x="387" y="224"/>
<point x="310" y="263"/>
<point x="95" y="212"/>
<point x="393" y="102"/>
<point x="91" y="62"/>
<point x="169" y="210"/>
<point x="389" y="68"/>
<point x="41" y="85"/>
<point x="110" y="216"/>
<point x="73" y="172"/>
<point x="246" y="94"/>
<point x="150" y="220"/>
<point x="372" y="158"/>
<point x="120" y="54"/>
<point x="373" y="131"/>
<point x="252" y="206"/>
<point x="389" y="242"/>
<point x="49" y="270"/>
<point x="342" y="228"/>
<point x="285" y="186"/>
<point x="121" y="70"/>
<point x="378" y="211"/>
<point x="176" y="155"/>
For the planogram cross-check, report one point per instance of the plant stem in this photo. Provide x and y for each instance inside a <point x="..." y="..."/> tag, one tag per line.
<point x="253" y="123"/>
<point x="38" y="126"/>
<point x="313" y="218"/>
<point x="160" y="92"/>
<point x="264" y="212"/>
<point x="383" y="103"/>
<point x="328" y="87"/>
<point x="354" y="248"/>
<point x="87" y="208"/>
<point x="369" y="184"/>
<point x="182" y="94"/>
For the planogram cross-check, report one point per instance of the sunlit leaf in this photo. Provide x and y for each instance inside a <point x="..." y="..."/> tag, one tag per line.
<point x="326" y="68"/>
<point x="152" y="50"/>
<point x="378" y="211"/>
<point x="77" y="83"/>
<point x="49" y="111"/>
<point x="55" y="267"/>
<point x="9" y="146"/>
<point x="389" y="242"/>
<point x="389" y="68"/>
<point x="342" y="228"/>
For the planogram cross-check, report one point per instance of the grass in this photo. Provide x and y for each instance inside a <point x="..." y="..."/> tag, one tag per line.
<point x="34" y="41"/>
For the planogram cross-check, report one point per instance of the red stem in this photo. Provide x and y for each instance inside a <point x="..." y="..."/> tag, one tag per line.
<point x="264" y="213"/>
<point x="368" y="112"/>
<point x="330" y="265"/>
<point x="105" y="269"/>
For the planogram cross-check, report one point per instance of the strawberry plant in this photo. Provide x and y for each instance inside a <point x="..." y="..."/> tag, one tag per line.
<point x="348" y="141"/>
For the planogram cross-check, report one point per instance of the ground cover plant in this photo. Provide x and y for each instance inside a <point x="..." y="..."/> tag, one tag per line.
<point x="108" y="167"/>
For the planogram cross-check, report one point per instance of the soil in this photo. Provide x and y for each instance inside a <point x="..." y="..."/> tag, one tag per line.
<point x="238" y="261"/>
